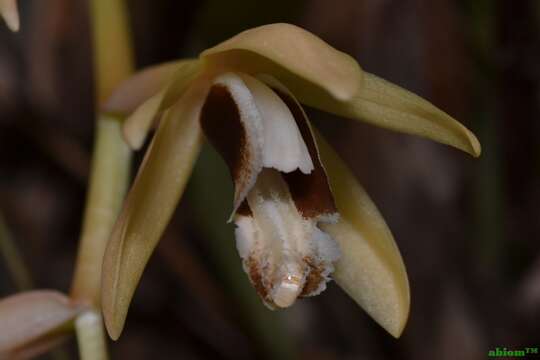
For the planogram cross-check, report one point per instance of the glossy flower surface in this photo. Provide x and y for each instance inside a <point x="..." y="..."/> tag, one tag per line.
<point x="301" y="217"/>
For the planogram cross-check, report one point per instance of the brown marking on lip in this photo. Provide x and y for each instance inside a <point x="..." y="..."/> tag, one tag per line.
<point x="310" y="192"/>
<point x="221" y="123"/>
<point x="256" y="277"/>
<point x="244" y="209"/>
<point x="313" y="279"/>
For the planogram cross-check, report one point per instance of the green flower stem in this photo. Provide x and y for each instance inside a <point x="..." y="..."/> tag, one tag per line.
<point x="113" y="54"/>
<point x="108" y="185"/>
<point x="14" y="261"/>
<point x="91" y="336"/>
<point x="113" y="62"/>
<point x="110" y="172"/>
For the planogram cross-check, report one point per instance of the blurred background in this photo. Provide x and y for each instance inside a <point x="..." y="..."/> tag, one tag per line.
<point x="468" y="229"/>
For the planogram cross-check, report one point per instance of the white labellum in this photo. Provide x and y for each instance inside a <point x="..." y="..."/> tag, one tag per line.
<point x="281" y="190"/>
<point x="285" y="254"/>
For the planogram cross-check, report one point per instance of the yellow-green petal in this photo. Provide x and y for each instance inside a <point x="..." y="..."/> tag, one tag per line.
<point x="29" y="316"/>
<point x="181" y="80"/>
<point x="384" y="104"/>
<point x="8" y="10"/>
<point x="138" y="124"/>
<point x="133" y="91"/>
<point x="370" y="269"/>
<point x="147" y="94"/>
<point x="150" y="204"/>
<point x="297" y="58"/>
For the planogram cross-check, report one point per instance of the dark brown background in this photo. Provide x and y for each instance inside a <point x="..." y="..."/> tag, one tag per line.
<point x="468" y="229"/>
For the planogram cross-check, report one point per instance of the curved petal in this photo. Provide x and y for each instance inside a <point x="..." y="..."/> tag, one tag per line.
<point x="283" y="146"/>
<point x="384" y="104"/>
<point x="180" y="82"/>
<point x="370" y="269"/>
<point x="31" y="315"/>
<point x="150" y="204"/>
<point x="8" y="10"/>
<point x="252" y="128"/>
<point x="299" y="59"/>
<point x="138" y="124"/>
<point x="232" y="123"/>
<point x="149" y="93"/>
<point x="132" y="92"/>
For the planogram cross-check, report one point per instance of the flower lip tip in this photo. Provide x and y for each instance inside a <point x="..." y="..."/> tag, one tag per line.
<point x="398" y="330"/>
<point x="472" y="146"/>
<point x="12" y="21"/>
<point x="133" y="142"/>
<point x="113" y="331"/>
<point x="476" y="148"/>
<point x="287" y="291"/>
<point x="14" y="26"/>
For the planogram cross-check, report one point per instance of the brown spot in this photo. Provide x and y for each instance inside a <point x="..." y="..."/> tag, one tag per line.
<point x="256" y="278"/>
<point x="310" y="192"/>
<point x="221" y="123"/>
<point x="314" y="277"/>
<point x="244" y="209"/>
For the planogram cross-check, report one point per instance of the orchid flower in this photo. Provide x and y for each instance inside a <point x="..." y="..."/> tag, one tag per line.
<point x="8" y="10"/>
<point x="301" y="217"/>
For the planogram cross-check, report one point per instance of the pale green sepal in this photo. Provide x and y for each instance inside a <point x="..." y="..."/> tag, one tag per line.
<point x="142" y="119"/>
<point x="132" y="92"/>
<point x="384" y="104"/>
<point x="150" y="204"/>
<point x="370" y="269"/>
<point x="297" y="58"/>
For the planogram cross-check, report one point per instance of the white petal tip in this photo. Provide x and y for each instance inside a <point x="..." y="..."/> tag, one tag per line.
<point x="287" y="291"/>
<point x="11" y="17"/>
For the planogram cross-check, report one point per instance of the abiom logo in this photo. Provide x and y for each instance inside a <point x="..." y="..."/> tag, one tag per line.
<point x="504" y="352"/>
